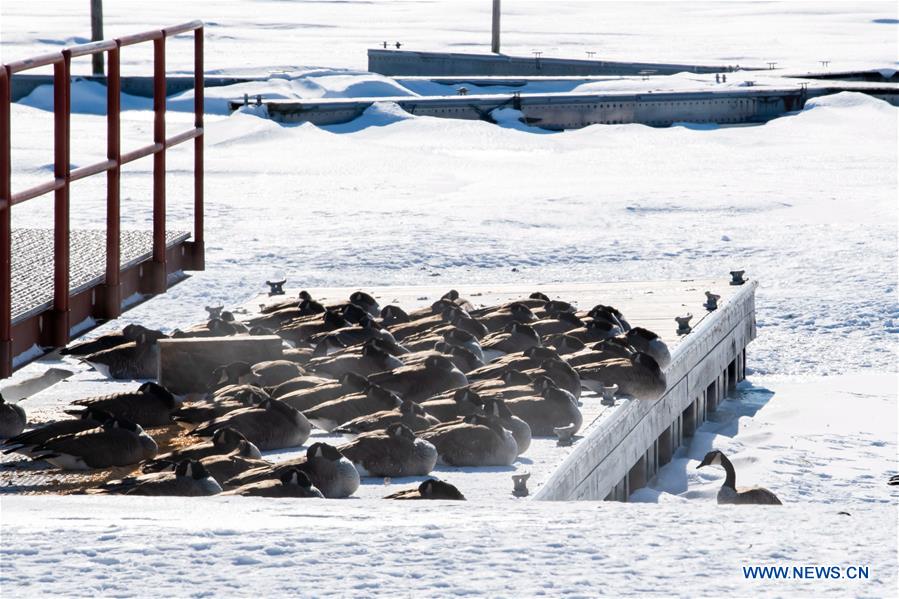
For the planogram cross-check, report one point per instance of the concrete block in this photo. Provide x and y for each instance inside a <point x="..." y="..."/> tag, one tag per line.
<point x="186" y="365"/>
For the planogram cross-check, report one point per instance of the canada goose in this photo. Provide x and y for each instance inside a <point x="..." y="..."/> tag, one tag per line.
<point x="409" y="413"/>
<point x="616" y="347"/>
<point x="128" y="334"/>
<point x="300" y="332"/>
<point x="729" y="492"/>
<point x="521" y="430"/>
<point x="276" y="317"/>
<point x="393" y="452"/>
<point x="532" y="357"/>
<point x="189" y="479"/>
<point x="215" y="327"/>
<point x="225" y="467"/>
<point x="565" y="344"/>
<point x="430" y="489"/>
<point x="224" y="441"/>
<point x="150" y="405"/>
<point x="563" y="375"/>
<point x="499" y="317"/>
<point x="463" y="359"/>
<point x="475" y="440"/>
<point x="420" y="381"/>
<point x="133" y="360"/>
<point x="554" y="408"/>
<point x="235" y="373"/>
<point x="449" y="334"/>
<point x="331" y="414"/>
<point x="512" y="383"/>
<point x="292" y="483"/>
<point x="287" y="302"/>
<point x="560" y="323"/>
<point x="24" y="443"/>
<point x="194" y="413"/>
<point x="356" y="334"/>
<point x="554" y="309"/>
<point x="514" y="338"/>
<point x="328" y="469"/>
<point x="270" y="425"/>
<point x="306" y="381"/>
<point x="392" y="314"/>
<point x="371" y="359"/>
<point x="608" y="314"/>
<point x="462" y="402"/>
<point x="595" y="330"/>
<point x="306" y="399"/>
<point x="274" y="372"/>
<point x="12" y="419"/>
<point x="649" y="343"/>
<point x="115" y="443"/>
<point x="402" y="331"/>
<point x="363" y="300"/>
<point x="462" y="320"/>
<point x="638" y="376"/>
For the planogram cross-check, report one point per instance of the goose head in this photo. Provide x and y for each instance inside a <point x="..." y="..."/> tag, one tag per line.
<point x="401" y="432"/>
<point x="366" y="302"/>
<point x="712" y="458"/>
<point x="437" y="489"/>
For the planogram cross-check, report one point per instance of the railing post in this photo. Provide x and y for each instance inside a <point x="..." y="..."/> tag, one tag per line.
<point x="61" y="107"/>
<point x="157" y="282"/>
<point x="199" y="246"/>
<point x="5" y="226"/>
<point x="112" y="289"/>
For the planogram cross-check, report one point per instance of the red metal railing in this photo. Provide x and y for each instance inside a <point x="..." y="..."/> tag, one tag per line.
<point x="63" y="175"/>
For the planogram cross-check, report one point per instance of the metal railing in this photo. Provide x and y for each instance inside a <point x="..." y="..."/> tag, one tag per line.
<point x="63" y="175"/>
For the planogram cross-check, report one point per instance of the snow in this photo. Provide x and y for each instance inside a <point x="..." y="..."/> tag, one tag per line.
<point x="805" y="203"/>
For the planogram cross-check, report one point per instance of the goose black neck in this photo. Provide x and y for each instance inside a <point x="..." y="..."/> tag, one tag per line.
<point x="731" y="480"/>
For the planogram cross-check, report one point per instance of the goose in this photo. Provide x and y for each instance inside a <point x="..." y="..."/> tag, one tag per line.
<point x="129" y="333"/>
<point x="497" y="318"/>
<point x="449" y="334"/>
<point x="532" y="357"/>
<point x="270" y="425"/>
<point x="116" y="443"/>
<point x="394" y="452"/>
<point x="189" y="479"/>
<point x="616" y="347"/>
<point x="273" y="318"/>
<point x="565" y="344"/>
<point x="287" y="302"/>
<point x="463" y="359"/>
<point x="462" y="402"/>
<point x="608" y="314"/>
<point x="12" y="419"/>
<point x="190" y="415"/>
<point x="729" y="493"/>
<point x="133" y="360"/>
<point x="328" y="469"/>
<point x="420" y="381"/>
<point x="560" y="373"/>
<point x="475" y="440"/>
<point x="224" y="441"/>
<point x="331" y="414"/>
<point x="301" y="331"/>
<point x="150" y="405"/>
<point x="215" y="327"/>
<point x="435" y="308"/>
<point x="554" y="408"/>
<point x="225" y="467"/>
<point x="560" y="323"/>
<point x="306" y="399"/>
<point x="292" y="483"/>
<point x="595" y="330"/>
<point x="649" y="343"/>
<point x="512" y="383"/>
<point x="24" y="443"/>
<point x="362" y="300"/>
<point x="356" y="334"/>
<point x="409" y="413"/>
<point x="402" y="331"/>
<point x="373" y="358"/>
<point x="306" y="381"/>
<point x="232" y="374"/>
<point x="514" y="338"/>
<point x="555" y="309"/>
<point x="274" y="372"/>
<point x="430" y="489"/>
<point x="638" y="376"/>
<point x="521" y="430"/>
<point x="393" y="314"/>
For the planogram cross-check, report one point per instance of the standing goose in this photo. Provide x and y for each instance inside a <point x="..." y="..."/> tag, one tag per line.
<point x="409" y="413"/>
<point x="133" y="360"/>
<point x="150" y="405"/>
<point x="649" y="343"/>
<point x="24" y="443"/>
<point x="331" y="414"/>
<point x="729" y="494"/>
<point x="306" y="399"/>
<point x="292" y="483"/>
<point x="554" y="408"/>
<point x="394" y="452"/>
<point x="189" y="479"/>
<point x="430" y="489"/>
<point x="115" y="443"/>
<point x="516" y="337"/>
<point x="475" y="440"/>
<point x="270" y="425"/>
<point x="420" y="381"/>
<point x="224" y="441"/>
<point x="638" y="376"/>
<point x="12" y="419"/>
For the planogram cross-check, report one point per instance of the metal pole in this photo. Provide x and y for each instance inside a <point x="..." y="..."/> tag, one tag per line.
<point x="158" y="283"/>
<point x="97" y="34"/>
<point x="61" y="107"/>
<point x="5" y="227"/>
<point x="112" y="303"/>
<point x="494" y="45"/>
<point x="199" y="250"/>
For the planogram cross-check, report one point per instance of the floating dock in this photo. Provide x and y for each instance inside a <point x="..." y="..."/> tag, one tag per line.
<point x="618" y="450"/>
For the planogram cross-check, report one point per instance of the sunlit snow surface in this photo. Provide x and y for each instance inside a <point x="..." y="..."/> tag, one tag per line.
<point x="806" y="204"/>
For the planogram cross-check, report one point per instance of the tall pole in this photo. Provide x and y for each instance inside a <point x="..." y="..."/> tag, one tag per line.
<point x="494" y="45"/>
<point x="97" y="34"/>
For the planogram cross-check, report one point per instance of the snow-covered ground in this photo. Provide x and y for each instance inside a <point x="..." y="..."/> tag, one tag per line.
<point x="806" y="204"/>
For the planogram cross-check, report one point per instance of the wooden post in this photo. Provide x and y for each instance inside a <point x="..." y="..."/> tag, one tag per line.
<point x="494" y="43"/>
<point x="97" y="34"/>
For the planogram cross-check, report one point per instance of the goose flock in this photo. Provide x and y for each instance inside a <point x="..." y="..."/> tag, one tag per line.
<point x="447" y="384"/>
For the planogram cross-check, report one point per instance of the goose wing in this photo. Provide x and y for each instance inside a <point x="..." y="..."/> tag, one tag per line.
<point x="98" y="448"/>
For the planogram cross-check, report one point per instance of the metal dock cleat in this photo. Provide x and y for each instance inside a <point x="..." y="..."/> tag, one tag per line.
<point x="683" y="324"/>
<point x="711" y="301"/>
<point x="276" y="287"/>
<point x="521" y="484"/>
<point x="737" y="277"/>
